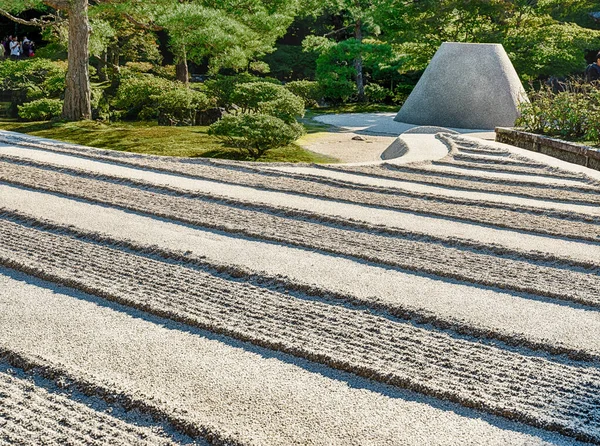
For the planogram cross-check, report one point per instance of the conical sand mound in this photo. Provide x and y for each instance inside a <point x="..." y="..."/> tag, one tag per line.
<point x="466" y="85"/>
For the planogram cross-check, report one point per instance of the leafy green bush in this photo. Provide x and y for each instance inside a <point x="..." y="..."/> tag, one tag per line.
<point x="309" y="91"/>
<point x="41" y="110"/>
<point x="180" y="106"/>
<point x="291" y="62"/>
<point x="136" y="95"/>
<point x="221" y="87"/>
<point x="376" y="93"/>
<point x="572" y="114"/>
<point x="270" y="99"/>
<point x="256" y="133"/>
<point x="32" y="79"/>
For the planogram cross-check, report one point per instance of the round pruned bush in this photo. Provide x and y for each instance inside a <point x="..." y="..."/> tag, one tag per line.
<point x="221" y="87"/>
<point x="269" y="99"/>
<point x="136" y="95"/>
<point x="256" y="133"/>
<point x="32" y="79"/>
<point x="180" y="106"/>
<point x="310" y="92"/>
<point x="41" y="110"/>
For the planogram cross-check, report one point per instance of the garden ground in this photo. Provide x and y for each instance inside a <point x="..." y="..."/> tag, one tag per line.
<point x="256" y="303"/>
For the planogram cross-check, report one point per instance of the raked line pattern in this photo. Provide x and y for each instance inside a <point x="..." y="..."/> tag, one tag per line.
<point x="193" y="294"/>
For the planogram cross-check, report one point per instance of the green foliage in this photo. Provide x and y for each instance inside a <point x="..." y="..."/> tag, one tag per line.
<point x="38" y="78"/>
<point x="376" y="93"/>
<point x="221" y="87"/>
<point x="289" y="62"/>
<point x="571" y="114"/>
<point x="256" y="133"/>
<point x="136" y="95"/>
<point x="228" y="34"/>
<point x="268" y="98"/>
<point x="309" y="91"/>
<point x="180" y="106"/>
<point x="41" y="110"/>
<point x="336" y="71"/>
<point x="538" y="40"/>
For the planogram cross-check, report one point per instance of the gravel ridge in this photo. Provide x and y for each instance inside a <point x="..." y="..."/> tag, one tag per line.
<point x="465" y="265"/>
<point x="471" y="183"/>
<point x="573" y="225"/>
<point x="241" y="322"/>
<point x="278" y="282"/>
<point x="501" y="382"/>
<point x="35" y="411"/>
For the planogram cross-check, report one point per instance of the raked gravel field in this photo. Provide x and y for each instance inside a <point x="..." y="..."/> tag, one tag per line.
<point x="156" y="301"/>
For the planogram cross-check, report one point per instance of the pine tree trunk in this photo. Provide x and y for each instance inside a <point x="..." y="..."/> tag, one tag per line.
<point x="181" y="68"/>
<point x="358" y="63"/>
<point x="77" y="94"/>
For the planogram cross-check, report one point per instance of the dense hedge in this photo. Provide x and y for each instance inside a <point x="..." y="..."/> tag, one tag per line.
<point x="573" y="113"/>
<point x="41" y="109"/>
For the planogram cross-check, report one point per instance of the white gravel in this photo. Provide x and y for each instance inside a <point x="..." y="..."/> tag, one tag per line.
<point x="436" y="190"/>
<point x="231" y="390"/>
<point x="500" y="312"/>
<point x="395" y="219"/>
<point x="284" y="258"/>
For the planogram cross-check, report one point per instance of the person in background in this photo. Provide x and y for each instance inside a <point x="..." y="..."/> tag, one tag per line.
<point x="15" y="49"/>
<point x="25" y="47"/>
<point x="592" y="72"/>
<point x="6" y="46"/>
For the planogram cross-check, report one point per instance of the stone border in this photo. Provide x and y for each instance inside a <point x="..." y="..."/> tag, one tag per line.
<point x="564" y="150"/>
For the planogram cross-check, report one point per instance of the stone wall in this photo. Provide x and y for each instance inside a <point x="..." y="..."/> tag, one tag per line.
<point x="567" y="151"/>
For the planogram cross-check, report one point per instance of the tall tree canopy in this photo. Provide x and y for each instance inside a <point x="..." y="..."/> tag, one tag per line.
<point x="77" y="104"/>
<point x="227" y="33"/>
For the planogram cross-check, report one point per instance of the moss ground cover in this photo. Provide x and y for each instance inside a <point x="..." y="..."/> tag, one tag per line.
<point x="149" y="138"/>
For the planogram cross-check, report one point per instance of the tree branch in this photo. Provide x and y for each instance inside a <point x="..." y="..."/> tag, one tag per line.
<point x="41" y="22"/>
<point x="146" y="26"/>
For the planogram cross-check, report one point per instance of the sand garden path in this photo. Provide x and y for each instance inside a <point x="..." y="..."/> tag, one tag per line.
<point x="148" y="300"/>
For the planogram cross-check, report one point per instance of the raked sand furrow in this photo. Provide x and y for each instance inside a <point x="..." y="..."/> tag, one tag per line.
<point x="507" y="383"/>
<point x="495" y="161"/>
<point x="502" y="168"/>
<point x="469" y="183"/>
<point x="53" y="412"/>
<point x="192" y="167"/>
<point x="228" y="390"/>
<point x="461" y="264"/>
<point x="538" y="323"/>
<point x="35" y="411"/>
<point x="495" y="176"/>
<point x="544" y="221"/>
<point x="314" y="186"/>
<point x="422" y="188"/>
<point x="448" y="233"/>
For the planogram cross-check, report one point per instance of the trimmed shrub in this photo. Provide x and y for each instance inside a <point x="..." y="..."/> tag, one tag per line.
<point x="32" y="79"/>
<point x="136" y="95"/>
<point x="376" y="93"/>
<point x="309" y="91"/>
<point x="256" y="133"/>
<point x="180" y="106"/>
<point x="41" y="110"/>
<point x="269" y="99"/>
<point x="220" y="88"/>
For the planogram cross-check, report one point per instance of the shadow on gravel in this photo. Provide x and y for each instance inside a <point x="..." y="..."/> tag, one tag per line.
<point x="351" y="380"/>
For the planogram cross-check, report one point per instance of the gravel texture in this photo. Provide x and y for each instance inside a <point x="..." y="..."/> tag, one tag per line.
<point x="157" y="301"/>
<point x="36" y="411"/>
<point x="230" y="392"/>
